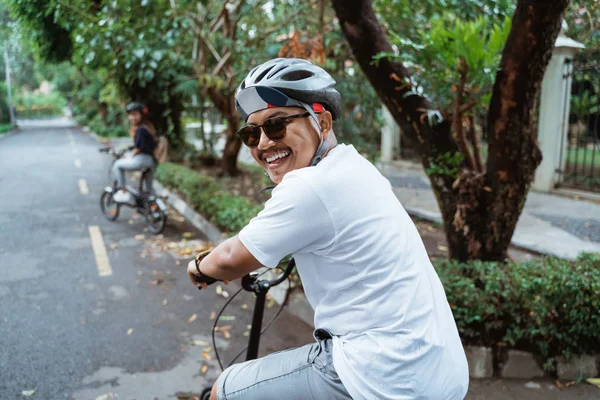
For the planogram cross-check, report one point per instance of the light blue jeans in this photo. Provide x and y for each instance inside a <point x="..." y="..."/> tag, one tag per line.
<point x="304" y="373"/>
<point x="136" y="163"/>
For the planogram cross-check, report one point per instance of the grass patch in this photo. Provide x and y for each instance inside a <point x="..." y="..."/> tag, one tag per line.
<point x="6" y="128"/>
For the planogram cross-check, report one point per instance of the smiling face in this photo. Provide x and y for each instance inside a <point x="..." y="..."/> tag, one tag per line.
<point x="296" y="149"/>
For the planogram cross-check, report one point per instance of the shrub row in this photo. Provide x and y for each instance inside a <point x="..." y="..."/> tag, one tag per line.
<point x="228" y="212"/>
<point x="550" y="306"/>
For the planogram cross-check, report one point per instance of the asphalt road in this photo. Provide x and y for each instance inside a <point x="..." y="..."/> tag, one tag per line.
<point x="68" y="333"/>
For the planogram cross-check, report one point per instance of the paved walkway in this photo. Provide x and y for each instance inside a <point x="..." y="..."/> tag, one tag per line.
<point x="549" y="224"/>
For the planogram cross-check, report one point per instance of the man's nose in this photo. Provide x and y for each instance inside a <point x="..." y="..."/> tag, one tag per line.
<point x="264" y="142"/>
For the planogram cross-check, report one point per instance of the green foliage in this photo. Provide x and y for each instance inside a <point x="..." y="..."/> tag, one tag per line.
<point x="548" y="306"/>
<point x="39" y="104"/>
<point x="447" y="164"/>
<point x="40" y="17"/>
<point x="6" y="128"/>
<point x="207" y="196"/>
<point x="103" y="130"/>
<point x="435" y="54"/>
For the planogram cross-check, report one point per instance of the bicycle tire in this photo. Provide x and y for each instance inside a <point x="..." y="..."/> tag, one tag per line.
<point x="156" y="219"/>
<point x="106" y="199"/>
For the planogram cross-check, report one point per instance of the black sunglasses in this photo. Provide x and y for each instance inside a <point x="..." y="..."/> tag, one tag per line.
<point x="274" y="128"/>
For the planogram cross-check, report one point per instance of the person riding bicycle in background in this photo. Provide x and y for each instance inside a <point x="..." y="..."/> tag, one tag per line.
<point x="384" y="329"/>
<point x="143" y="134"/>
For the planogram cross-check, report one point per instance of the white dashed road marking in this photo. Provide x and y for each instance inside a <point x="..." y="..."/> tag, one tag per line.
<point x="99" y="248"/>
<point x="83" y="187"/>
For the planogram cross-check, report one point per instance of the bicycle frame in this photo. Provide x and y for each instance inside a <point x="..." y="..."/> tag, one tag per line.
<point x="251" y="283"/>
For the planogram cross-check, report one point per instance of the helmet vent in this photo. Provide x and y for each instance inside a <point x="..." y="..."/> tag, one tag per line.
<point x="297" y="75"/>
<point x="262" y="75"/>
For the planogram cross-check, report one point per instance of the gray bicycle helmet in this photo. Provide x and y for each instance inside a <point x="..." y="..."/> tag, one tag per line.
<point x="134" y="106"/>
<point x="289" y="82"/>
<point x="295" y="79"/>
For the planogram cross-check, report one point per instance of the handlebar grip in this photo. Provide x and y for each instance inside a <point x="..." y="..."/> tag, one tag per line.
<point x="208" y="281"/>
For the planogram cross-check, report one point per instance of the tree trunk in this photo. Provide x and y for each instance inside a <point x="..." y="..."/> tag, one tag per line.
<point x="225" y="103"/>
<point x="480" y="210"/>
<point x="232" y="145"/>
<point x="513" y="148"/>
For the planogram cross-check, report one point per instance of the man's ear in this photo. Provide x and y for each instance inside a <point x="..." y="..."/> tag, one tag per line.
<point x="326" y="123"/>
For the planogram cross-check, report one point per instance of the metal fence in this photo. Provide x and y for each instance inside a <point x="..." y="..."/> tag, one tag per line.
<point x="581" y="136"/>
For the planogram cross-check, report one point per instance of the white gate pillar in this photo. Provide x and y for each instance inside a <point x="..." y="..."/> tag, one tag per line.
<point x="390" y="137"/>
<point x="554" y="111"/>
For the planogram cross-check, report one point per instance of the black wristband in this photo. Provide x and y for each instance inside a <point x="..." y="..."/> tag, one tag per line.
<point x="201" y="277"/>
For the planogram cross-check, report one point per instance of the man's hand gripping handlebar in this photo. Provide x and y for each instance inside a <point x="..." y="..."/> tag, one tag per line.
<point x="196" y="276"/>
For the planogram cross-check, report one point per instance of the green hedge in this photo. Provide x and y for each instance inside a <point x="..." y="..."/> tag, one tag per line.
<point x="550" y="306"/>
<point x="229" y="213"/>
<point x="6" y="128"/>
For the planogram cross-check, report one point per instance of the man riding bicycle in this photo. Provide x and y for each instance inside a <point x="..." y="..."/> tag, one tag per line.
<point x="384" y="329"/>
<point x="143" y="134"/>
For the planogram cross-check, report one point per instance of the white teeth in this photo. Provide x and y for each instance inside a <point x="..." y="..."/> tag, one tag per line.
<point x="277" y="156"/>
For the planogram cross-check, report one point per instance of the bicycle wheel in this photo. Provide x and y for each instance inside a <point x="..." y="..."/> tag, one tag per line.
<point x="156" y="219"/>
<point x="109" y="207"/>
<point x="205" y="394"/>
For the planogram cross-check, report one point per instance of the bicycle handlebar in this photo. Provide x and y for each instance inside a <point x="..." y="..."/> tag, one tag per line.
<point x="284" y="275"/>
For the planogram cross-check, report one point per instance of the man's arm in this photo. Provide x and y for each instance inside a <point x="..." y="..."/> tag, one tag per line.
<point x="230" y="260"/>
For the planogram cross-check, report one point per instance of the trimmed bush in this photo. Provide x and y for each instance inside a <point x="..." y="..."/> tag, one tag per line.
<point x="6" y="128"/>
<point x="207" y="196"/>
<point x="550" y="306"/>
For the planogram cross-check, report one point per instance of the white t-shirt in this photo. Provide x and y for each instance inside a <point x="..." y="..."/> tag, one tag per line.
<point x="368" y="277"/>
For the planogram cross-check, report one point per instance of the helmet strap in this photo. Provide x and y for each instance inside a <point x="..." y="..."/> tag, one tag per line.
<point x="321" y="150"/>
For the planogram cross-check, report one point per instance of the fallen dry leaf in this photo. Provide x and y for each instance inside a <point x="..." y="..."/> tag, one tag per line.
<point x="130" y="222"/>
<point x="105" y="396"/>
<point x="227" y="318"/>
<point x="227" y="334"/>
<point x="187" y="234"/>
<point x="247" y="333"/>
<point x="28" y="393"/>
<point x="572" y="383"/>
<point x="157" y="282"/>
<point x="244" y="306"/>
<point x="129" y="331"/>
<point x="219" y="289"/>
<point x="192" y="318"/>
<point x="271" y="303"/>
<point x="206" y="356"/>
<point x="225" y="294"/>
<point x="559" y="385"/>
<point x="431" y="229"/>
<point x="140" y="273"/>
<point x="165" y="302"/>
<point x="140" y="237"/>
<point x="213" y="315"/>
<point x="204" y="369"/>
<point x="442" y="248"/>
<point x="114" y="246"/>
<point x="177" y="262"/>
<point x="196" y="342"/>
<point x="187" y="251"/>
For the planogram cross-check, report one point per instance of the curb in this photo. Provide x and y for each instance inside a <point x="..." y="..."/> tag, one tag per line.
<point x="197" y="220"/>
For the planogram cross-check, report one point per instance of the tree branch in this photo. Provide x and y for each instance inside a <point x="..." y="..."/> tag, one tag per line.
<point x="457" y="123"/>
<point x="474" y="139"/>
